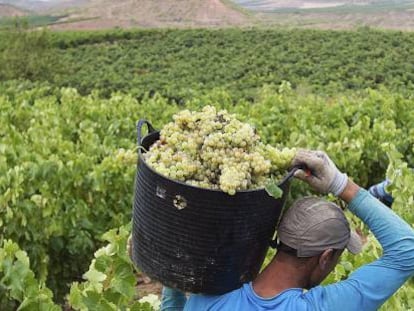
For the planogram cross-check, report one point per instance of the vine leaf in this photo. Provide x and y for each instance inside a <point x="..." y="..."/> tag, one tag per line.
<point x="273" y="189"/>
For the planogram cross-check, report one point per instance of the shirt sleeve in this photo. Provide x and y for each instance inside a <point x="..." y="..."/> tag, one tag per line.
<point x="172" y="300"/>
<point x="372" y="284"/>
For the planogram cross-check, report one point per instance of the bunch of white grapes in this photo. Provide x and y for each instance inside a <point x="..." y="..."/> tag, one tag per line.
<point x="212" y="149"/>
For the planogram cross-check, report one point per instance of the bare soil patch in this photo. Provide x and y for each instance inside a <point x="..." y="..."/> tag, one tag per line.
<point x="149" y="13"/>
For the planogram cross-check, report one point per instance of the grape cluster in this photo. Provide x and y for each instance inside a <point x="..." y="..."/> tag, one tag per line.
<point x="212" y="149"/>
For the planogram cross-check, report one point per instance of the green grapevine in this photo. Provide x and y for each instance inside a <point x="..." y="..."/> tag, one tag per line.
<point x="110" y="281"/>
<point x="67" y="165"/>
<point x="22" y="290"/>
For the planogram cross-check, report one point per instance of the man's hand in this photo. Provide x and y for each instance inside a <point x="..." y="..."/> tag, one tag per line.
<point x="324" y="177"/>
<point x="379" y="191"/>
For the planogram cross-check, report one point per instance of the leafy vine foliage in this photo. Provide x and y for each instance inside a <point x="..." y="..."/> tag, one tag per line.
<point x="179" y="64"/>
<point x="19" y="288"/>
<point x="67" y="165"/>
<point x="109" y="283"/>
<point x="27" y="54"/>
<point x="110" y="280"/>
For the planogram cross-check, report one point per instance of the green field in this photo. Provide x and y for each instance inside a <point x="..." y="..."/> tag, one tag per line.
<point x="69" y="103"/>
<point x="178" y="63"/>
<point x="31" y="20"/>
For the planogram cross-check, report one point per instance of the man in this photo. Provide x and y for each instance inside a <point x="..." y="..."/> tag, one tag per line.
<point x="313" y="233"/>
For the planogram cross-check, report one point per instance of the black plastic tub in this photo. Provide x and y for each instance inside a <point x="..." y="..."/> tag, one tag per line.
<point x="199" y="240"/>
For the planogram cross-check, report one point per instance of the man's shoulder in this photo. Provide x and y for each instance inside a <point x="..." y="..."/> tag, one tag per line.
<point x="245" y="298"/>
<point x="214" y="302"/>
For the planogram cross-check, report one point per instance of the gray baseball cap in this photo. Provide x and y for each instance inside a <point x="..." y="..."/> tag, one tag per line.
<point x="312" y="225"/>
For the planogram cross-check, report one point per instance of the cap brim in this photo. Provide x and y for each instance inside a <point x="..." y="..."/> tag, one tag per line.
<point x="355" y="243"/>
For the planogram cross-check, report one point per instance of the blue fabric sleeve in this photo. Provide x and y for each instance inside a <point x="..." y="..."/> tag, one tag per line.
<point x="172" y="299"/>
<point x="372" y="284"/>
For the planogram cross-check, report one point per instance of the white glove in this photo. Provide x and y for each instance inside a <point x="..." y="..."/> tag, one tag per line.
<point x="324" y="176"/>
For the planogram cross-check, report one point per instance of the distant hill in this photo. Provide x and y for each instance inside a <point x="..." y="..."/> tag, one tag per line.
<point x="159" y="13"/>
<point x="26" y="4"/>
<point x="333" y="14"/>
<point x="283" y="6"/>
<point x="42" y="7"/>
<point x="7" y="10"/>
<point x="326" y="14"/>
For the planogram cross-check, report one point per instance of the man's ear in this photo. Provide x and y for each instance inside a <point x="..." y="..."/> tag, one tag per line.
<point x="325" y="258"/>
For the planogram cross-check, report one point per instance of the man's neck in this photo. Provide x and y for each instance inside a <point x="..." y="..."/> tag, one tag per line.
<point x="279" y="275"/>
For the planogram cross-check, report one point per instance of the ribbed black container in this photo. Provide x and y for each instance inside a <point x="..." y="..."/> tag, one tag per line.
<point x="195" y="239"/>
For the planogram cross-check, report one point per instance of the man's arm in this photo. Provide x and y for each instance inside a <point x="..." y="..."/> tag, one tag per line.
<point x="371" y="285"/>
<point x="172" y="299"/>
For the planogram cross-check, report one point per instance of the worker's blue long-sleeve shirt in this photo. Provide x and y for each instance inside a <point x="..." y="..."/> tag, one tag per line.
<point x="365" y="289"/>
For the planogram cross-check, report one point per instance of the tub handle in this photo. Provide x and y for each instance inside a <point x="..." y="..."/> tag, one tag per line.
<point x="140" y="124"/>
